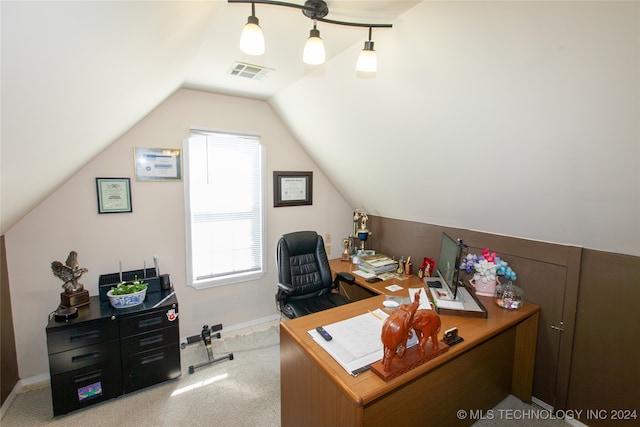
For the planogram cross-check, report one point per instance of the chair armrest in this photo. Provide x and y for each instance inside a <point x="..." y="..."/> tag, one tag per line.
<point x="343" y="276"/>
<point x="285" y="288"/>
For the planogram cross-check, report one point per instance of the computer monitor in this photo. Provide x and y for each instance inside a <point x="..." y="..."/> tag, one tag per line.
<point x="449" y="262"/>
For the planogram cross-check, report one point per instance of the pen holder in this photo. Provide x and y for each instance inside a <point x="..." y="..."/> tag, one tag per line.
<point x="408" y="268"/>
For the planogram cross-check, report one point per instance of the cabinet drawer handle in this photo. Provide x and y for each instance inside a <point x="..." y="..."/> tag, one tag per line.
<point x="151" y="359"/>
<point x="151" y="340"/>
<point x="94" y="355"/>
<point x="150" y="322"/>
<point x="86" y="336"/>
<point x="89" y="376"/>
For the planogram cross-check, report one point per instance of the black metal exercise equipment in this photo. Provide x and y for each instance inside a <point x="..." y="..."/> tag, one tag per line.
<point x="205" y="337"/>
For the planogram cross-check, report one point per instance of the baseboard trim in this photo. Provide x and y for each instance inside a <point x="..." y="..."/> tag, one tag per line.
<point x="540" y="403"/>
<point x="254" y="322"/>
<point x="243" y="325"/>
<point x="545" y="405"/>
<point x="574" y="423"/>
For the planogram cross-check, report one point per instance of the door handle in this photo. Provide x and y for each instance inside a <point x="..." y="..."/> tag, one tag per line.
<point x="558" y="328"/>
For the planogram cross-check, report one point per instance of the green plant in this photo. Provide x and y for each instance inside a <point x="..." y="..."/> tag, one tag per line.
<point x="125" y="288"/>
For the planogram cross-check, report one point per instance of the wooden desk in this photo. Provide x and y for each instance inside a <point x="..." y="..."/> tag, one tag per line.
<point x="495" y="359"/>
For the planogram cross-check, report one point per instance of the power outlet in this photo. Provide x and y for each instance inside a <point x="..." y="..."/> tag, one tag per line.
<point x="327" y="237"/>
<point x="327" y="249"/>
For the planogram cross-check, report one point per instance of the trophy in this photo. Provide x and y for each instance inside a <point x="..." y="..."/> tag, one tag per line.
<point x="346" y="255"/>
<point x="74" y="294"/>
<point x="361" y="230"/>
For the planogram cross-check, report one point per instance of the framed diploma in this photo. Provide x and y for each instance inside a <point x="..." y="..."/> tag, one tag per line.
<point x="158" y="164"/>
<point x="114" y="195"/>
<point x="292" y="188"/>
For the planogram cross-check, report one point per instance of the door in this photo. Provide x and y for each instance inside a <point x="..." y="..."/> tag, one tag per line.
<point x="549" y="275"/>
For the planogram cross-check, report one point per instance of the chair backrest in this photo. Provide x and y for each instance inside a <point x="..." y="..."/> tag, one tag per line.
<point x="302" y="263"/>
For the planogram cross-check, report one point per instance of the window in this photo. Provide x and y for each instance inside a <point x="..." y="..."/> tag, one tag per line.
<point x="224" y="215"/>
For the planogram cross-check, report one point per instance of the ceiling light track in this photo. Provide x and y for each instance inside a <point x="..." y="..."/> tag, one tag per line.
<point x="252" y="39"/>
<point x="313" y="9"/>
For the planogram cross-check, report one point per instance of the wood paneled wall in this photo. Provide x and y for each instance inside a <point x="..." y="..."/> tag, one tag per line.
<point x="604" y="371"/>
<point x="8" y="358"/>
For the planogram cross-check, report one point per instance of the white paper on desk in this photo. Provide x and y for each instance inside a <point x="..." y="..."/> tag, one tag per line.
<point x="424" y="301"/>
<point x="464" y="301"/>
<point x="394" y="288"/>
<point x="356" y="342"/>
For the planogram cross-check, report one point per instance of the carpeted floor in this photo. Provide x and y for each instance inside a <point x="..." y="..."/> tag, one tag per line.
<point x="242" y="392"/>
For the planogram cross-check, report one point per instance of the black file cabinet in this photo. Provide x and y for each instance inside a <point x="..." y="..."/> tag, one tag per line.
<point x="106" y="352"/>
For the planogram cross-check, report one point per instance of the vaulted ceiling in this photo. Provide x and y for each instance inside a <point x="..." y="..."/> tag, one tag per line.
<point x="471" y="101"/>
<point x="76" y="75"/>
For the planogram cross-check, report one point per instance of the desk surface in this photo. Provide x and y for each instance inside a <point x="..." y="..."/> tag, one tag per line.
<point x="367" y="387"/>
<point x="338" y="265"/>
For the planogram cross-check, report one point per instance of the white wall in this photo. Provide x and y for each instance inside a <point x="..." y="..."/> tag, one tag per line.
<point x="519" y="118"/>
<point x="68" y="220"/>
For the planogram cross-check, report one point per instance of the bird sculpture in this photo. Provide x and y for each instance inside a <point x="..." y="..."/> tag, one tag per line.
<point x="69" y="273"/>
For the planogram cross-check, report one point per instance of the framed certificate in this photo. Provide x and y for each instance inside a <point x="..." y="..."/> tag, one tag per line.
<point x="114" y="195"/>
<point x="158" y="164"/>
<point x="292" y="188"/>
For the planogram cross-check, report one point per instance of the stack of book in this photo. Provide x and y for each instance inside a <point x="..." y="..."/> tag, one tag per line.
<point x="378" y="264"/>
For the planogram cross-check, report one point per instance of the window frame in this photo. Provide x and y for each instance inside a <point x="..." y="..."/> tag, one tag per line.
<point x="231" y="278"/>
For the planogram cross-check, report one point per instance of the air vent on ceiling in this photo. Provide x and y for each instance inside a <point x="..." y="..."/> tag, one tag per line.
<point x="250" y="71"/>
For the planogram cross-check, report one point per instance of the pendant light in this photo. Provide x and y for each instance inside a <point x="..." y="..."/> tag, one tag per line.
<point x="314" y="48"/>
<point x="252" y="39"/>
<point x="368" y="60"/>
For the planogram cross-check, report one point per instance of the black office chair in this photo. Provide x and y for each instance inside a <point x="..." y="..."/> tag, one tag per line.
<point x="304" y="276"/>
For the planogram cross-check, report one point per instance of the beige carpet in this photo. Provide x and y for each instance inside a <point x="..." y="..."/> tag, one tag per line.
<point x="241" y="392"/>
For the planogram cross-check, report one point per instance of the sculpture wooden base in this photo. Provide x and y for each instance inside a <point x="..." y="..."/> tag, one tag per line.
<point x="412" y="359"/>
<point x="75" y="299"/>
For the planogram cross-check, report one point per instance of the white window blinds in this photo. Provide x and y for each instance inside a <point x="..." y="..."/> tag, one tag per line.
<point x="224" y="208"/>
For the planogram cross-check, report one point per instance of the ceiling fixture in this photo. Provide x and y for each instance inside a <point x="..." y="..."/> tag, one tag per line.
<point x="368" y="60"/>
<point x="252" y="39"/>
<point x="313" y="53"/>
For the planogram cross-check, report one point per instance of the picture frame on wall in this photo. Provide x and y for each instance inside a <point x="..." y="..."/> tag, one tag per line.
<point x="292" y="188"/>
<point x="158" y="164"/>
<point x="114" y="195"/>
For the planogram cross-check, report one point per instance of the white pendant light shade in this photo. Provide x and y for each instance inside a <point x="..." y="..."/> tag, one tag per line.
<point x="368" y="59"/>
<point x="252" y="39"/>
<point x="314" y="49"/>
